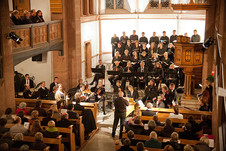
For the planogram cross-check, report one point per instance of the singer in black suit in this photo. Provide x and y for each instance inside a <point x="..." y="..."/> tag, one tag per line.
<point x="43" y="91"/>
<point x="98" y="75"/>
<point x="28" y="81"/>
<point x="142" y="79"/>
<point x="54" y="83"/>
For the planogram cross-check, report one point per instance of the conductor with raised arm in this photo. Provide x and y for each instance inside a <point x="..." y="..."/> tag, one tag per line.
<point x="120" y="113"/>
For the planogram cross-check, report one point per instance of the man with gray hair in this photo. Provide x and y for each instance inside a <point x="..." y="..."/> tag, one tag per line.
<point x="18" y="128"/>
<point x="120" y="113"/>
<point x="149" y="111"/>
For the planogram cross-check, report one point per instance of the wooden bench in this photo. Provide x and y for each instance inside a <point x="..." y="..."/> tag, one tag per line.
<point x="186" y="113"/>
<point x="161" y="139"/>
<point x="163" y="119"/>
<point x="55" y="141"/>
<point x="117" y="147"/>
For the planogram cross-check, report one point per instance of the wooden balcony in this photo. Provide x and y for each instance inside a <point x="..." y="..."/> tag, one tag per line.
<point x="37" y="38"/>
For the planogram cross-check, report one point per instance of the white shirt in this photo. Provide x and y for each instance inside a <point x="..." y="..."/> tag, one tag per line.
<point x="178" y="116"/>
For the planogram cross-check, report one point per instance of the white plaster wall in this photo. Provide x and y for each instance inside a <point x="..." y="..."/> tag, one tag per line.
<point x="44" y="6"/>
<point x="90" y="32"/>
<point x="102" y="6"/>
<point x="42" y="71"/>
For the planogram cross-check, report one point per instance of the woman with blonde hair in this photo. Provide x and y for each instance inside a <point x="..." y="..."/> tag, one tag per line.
<point x="36" y="127"/>
<point x="56" y="114"/>
<point x="15" y="17"/>
<point x="34" y="116"/>
<point x="51" y="131"/>
<point x="26" y="18"/>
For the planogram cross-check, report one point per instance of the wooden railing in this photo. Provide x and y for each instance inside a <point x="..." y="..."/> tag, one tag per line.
<point x="39" y="33"/>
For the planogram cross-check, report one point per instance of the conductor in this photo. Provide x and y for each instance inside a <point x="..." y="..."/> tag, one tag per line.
<point x="120" y="113"/>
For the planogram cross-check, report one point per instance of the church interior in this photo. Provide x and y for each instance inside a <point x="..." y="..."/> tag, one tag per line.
<point x="113" y="75"/>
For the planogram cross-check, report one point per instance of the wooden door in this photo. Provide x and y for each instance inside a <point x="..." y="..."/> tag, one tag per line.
<point x="88" y="60"/>
<point x="21" y="5"/>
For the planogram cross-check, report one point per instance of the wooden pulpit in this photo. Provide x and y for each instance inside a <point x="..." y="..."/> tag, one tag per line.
<point x="188" y="55"/>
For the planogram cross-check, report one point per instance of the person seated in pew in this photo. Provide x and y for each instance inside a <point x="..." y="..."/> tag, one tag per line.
<point x="136" y="125"/>
<point x="51" y="95"/>
<point x="132" y="93"/>
<point x="125" y="58"/>
<point x="36" y="127"/>
<point x="3" y="122"/>
<point x="64" y="122"/>
<point x="127" y="69"/>
<point x="174" y="142"/>
<point x="114" y="78"/>
<point x="187" y="133"/>
<point x="49" y="117"/>
<point x="140" y="146"/>
<point x="43" y="91"/>
<point x="149" y="111"/>
<point x="24" y="148"/>
<point x="51" y="131"/>
<point x="71" y="113"/>
<point x="22" y="107"/>
<point x="77" y="106"/>
<point x="97" y="76"/>
<point x="129" y="47"/>
<point x="34" y="116"/>
<point x="21" y="115"/>
<point x="38" y="144"/>
<point x="130" y="135"/>
<point x="6" y="139"/>
<point x="41" y="111"/>
<point x="143" y="39"/>
<point x="176" y="113"/>
<point x="18" y="128"/>
<point x="165" y="61"/>
<point x="18" y="140"/>
<point x="158" y="123"/>
<point x="55" y="111"/>
<point x="151" y="127"/>
<point x="205" y="123"/>
<point x="203" y="144"/>
<point x="194" y="125"/>
<point x="151" y="92"/>
<point x="116" y="58"/>
<point x="153" y="141"/>
<point x="168" y="129"/>
<point x="126" y="145"/>
<point x="8" y="116"/>
<point x="54" y="84"/>
<point x="142" y="80"/>
<point x="27" y="94"/>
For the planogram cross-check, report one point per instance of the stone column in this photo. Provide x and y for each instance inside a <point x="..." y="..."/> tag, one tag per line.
<point x="7" y="82"/>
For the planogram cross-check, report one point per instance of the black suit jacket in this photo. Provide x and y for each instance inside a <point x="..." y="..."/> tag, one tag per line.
<point x="26" y="94"/>
<point x="137" y="129"/>
<point x="43" y="93"/>
<point x="31" y="83"/>
<point x="51" y="86"/>
<point x="64" y="123"/>
<point x="72" y="115"/>
<point x="134" y="96"/>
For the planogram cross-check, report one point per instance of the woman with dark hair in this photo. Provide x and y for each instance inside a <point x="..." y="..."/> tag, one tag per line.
<point x="168" y="129"/>
<point x="39" y="17"/>
<point x="8" y="116"/>
<point x="36" y="127"/>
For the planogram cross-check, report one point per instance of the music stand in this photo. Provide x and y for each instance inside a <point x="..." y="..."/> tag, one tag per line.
<point x="96" y="70"/>
<point x="113" y="72"/>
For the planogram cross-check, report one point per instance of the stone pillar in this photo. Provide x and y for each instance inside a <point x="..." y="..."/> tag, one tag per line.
<point x="7" y="82"/>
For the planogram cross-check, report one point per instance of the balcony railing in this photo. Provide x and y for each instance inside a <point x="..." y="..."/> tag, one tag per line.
<point x="40" y="33"/>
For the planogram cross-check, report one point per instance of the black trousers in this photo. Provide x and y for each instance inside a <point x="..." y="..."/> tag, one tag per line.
<point x="119" y="116"/>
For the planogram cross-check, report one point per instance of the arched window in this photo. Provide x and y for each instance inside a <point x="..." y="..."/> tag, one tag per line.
<point x="114" y="4"/>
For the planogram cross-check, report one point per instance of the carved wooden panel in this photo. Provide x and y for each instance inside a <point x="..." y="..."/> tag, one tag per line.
<point x="55" y="31"/>
<point x="198" y="56"/>
<point x="40" y="34"/>
<point x="187" y="58"/>
<point x="178" y="55"/>
<point x="24" y="34"/>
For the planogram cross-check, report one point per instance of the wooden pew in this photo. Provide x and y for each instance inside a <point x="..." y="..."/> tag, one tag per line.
<point x="161" y="139"/>
<point x="55" y="141"/>
<point x="186" y="113"/>
<point x="117" y="147"/>
<point x="163" y="119"/>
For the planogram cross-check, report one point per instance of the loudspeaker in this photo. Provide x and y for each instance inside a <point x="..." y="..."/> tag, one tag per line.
<point x="37" y="58"/>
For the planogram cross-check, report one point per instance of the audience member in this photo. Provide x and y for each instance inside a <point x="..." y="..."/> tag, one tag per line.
<point x="174" y="141"/>
<point x="71" y="113"/>
<point x="153" y="142"/>
<point x="22" y="107"/>
<point x="39" y="17"/>
<point x="130" y="135"/>
<point x="27" y="94"/>
<point x="194" y="125"/>
<point x="8" y="116"/>
<point x="18" y="128"/>
<point x="135" y="125"/>
<point x="40" y="110"/>
<point x="188" y="148"/>
<point x="33" y="16"/>
<point x="3" y="122"/>
<point x="56" y="114"/>
<point x="48" y="118"/>
<point x="151" y="127"/>
<point x="64" y="122"/>
<point x="36" y="127"/>
<point x="15" y="17"/>
<point x="176" y="113"/>
<point x="203" y="144"/>
<point x="6" y="138"/>
<point x="77" y="106"/>
<point x="140" y="146"/>
<point x="38" y="144"/>
<point x="24" y="148"/>
<point x="43" y="91"/>
<point x="126" y="146"/>
<point x="51" y="131"/>
<point x="54" y="84"/>
<point x="149" y="111"/>
<point x="168" y="148"/>
<point x="26" y="18"/>
<point x="155" y="118"/>
<point x="187" y="133"/>
<point x="18" y="140"/>
<point x="34" y="116"/>
<point x="21" y="115"/>
<point x="168" y="129"/>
